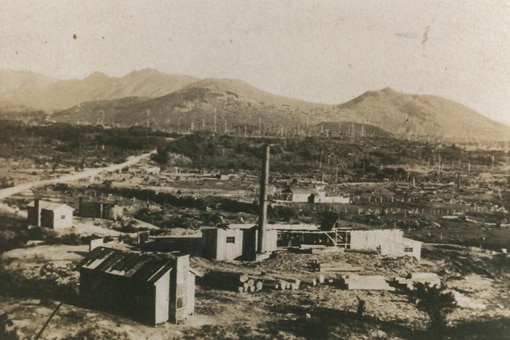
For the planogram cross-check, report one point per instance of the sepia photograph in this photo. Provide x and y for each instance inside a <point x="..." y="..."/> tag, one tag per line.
<point x="237" y="169"/>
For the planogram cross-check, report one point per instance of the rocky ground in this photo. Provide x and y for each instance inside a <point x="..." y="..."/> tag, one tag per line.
<point x="36" y="279"/>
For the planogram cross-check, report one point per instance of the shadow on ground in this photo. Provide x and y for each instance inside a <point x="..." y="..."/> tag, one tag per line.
<point x="328" y="323"/>
<point x="493" y="329"/>
<point x="294" y="322"/>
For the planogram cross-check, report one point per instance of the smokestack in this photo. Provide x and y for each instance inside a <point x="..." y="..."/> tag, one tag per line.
<point x="264" y="182"/>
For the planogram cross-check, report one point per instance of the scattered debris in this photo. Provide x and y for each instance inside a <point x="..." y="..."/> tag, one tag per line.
<point x="464" y="301"/>
<point x="431" y="279"/>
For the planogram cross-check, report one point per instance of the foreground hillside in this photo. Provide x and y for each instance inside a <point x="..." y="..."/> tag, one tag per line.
<point x="30" y="275"/>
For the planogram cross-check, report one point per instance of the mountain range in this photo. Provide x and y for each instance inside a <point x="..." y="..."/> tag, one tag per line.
<point x="158" y="100"/>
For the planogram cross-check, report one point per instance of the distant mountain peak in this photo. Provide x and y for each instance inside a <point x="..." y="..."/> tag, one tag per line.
<point x="243" y="89"/>
<point x="146" y="70"/>
<point x="97" y="75"/>
<point x="221" y="82"/>
<point x="388" y="89"/>
<point x="384" y="91"/>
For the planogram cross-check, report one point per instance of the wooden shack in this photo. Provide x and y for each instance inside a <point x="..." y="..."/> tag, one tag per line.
<point x="100" y="209"/>
<point x="234" y="242"/>
<point x="150" y="288"/>
<point x="49" y="214"/>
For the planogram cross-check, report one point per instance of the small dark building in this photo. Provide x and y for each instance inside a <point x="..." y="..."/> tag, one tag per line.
<point x="145" y="287"/>
<point x="99" y="209"/>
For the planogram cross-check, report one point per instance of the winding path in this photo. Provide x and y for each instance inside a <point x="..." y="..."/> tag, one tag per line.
<point x="4" y="193"/>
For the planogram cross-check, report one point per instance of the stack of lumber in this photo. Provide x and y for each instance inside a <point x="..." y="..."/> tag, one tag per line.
<point x="366" y="282"/>
<point x="281" y="283"/>
<point x="334" y="267"/>
<point x="327" y="250"/>
<point x="228" y="280"/>
<point x="316" y="249"/>
<point x="304" y="279"/>
<point x="250" y="283"/>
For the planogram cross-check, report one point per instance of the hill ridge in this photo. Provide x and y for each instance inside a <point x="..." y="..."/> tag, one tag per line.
<point x="177" y="101"/>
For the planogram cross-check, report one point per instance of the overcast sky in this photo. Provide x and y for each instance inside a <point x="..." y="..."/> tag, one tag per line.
<point x="321" y="51"/>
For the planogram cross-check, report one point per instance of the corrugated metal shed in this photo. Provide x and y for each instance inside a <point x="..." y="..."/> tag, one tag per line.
<point x="141" y="267"/>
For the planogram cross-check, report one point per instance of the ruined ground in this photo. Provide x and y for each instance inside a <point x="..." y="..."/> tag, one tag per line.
<point x="36" y="279"/>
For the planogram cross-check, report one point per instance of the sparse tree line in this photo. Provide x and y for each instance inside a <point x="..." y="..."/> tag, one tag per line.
<point x="72" y="145"/>
<point x="372" y="159"/>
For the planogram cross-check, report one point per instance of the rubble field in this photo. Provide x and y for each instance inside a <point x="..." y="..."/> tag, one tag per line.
<point x="35" y="280"/>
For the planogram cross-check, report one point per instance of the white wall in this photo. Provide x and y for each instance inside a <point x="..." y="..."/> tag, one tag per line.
<point x="388" y="242"/>
<point x="162" y="292"/>
<point x="229" y="251"/>
<point x="58" y="221"/>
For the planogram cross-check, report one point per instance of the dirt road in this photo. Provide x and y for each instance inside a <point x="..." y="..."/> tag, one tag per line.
<point x="4" y="193"/>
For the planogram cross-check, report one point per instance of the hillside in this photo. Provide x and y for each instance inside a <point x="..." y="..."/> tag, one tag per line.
<point x="43" y="93"/>
<point x="350" y="129"/>
<point x="408" y="115"/>
<point x="224" y="103"/>
<point x="16" y="83"/>
<point x="240" y="89"/>
<point x="19" y="90"/>
<point x="178" y="102"/>
<point x="97" y="112"/>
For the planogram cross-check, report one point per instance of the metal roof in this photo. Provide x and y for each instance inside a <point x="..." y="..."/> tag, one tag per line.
<point x="46" y="205"/>
<point x="141" y="267"/>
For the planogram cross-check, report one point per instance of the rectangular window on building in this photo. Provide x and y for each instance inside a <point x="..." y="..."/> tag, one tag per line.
<point x="408" y="250"/>
<point x="62" y="217"/>
<point x="231" y="239"/>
